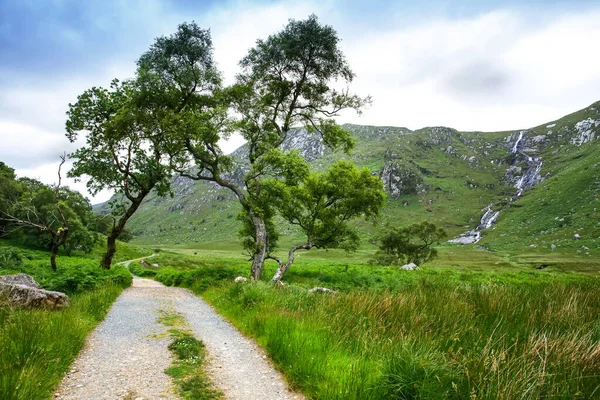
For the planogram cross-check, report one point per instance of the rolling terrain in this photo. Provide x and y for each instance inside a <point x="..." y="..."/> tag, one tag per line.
<point x="536" y="188"/>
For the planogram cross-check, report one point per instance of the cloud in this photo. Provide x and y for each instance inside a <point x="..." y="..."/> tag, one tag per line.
<point x="493" y="69"/>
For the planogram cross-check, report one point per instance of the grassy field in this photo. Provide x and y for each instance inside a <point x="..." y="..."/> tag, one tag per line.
<point x="37" y="346"/>
<point x="473" y="324"/>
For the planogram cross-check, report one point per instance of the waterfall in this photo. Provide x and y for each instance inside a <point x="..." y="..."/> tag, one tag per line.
<point x="531" y="177"/>
<point x="473" y="236"/>
<point x="515" y="148"/>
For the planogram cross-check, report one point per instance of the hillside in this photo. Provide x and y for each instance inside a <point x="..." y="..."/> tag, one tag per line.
<point x="536" y="187"/>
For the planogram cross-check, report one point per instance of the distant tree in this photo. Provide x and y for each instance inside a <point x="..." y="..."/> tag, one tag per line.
<point x="54" y="216"/>
<point x="132" y="139"/>
<point x="413" y="243"/>
<point x="125" y="235"/>
<point x="323" y="205"/>
<point x="286" y="85"/>
<point x="9" y="192"/>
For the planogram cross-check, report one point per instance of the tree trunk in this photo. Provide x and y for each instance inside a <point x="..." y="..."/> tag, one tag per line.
<point x="111" y="249"/>
<point x="111" y="239"/>
<point x="284" y="266"/>
<point x="53" y="255"/>
<point x="260" y="254"/>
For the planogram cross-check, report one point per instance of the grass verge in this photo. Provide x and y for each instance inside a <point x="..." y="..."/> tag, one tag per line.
<point x="433" y="339"/>
<point x="187" y="370"/>
<point x="37" y="346"/>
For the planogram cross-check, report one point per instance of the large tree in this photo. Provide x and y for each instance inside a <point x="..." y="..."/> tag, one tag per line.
<point x="323" y="205"/>
<point x="128" y="128"/>
<point x="286" y="88"/>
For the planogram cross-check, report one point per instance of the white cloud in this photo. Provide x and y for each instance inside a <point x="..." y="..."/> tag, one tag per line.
<point x="497" y="71"/>
<point x="494" y="71"/>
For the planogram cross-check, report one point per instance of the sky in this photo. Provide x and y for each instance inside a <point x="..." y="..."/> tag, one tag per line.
<point x="471" y="65"/>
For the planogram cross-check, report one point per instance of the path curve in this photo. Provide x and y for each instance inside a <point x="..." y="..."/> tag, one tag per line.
<point x="127" y="353"/>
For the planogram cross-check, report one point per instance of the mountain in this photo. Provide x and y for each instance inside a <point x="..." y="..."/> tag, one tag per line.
<point x="532" y="188"/>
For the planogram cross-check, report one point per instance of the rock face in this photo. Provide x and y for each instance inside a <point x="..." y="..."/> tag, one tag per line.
<point x="22" y="290"/>
<point x="400" y="179"/>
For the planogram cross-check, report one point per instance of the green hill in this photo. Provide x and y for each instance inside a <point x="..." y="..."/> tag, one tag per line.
<point x="541" y="186"/>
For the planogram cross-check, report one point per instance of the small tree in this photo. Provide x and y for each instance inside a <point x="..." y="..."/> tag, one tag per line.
<point x="413" y="243"/>
<point x="55" y="216"/>
<point x="323" y="205"/>
<point x="131" y="143"/>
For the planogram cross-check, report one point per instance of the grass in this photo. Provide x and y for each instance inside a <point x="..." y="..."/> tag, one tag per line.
<point x="37" y="346"/>
<point x="506" y="331"/>
<point x="188" y="369"/>
<point x="432" y="339"/>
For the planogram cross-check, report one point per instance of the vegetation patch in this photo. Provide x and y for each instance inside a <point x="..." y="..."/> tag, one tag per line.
<point x="188" y="369"/>
<point x="38" y="346"/>
<point x="432" y="339"/>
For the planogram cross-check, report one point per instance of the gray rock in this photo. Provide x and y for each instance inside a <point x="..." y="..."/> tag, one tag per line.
<point x="576" y="236"/>
<point x="23" y="291"/>
<point x="240" y="279"/>
<point x="322" y="290"/>
<point x="409" y="267"/>
<point x="20" y="279"/>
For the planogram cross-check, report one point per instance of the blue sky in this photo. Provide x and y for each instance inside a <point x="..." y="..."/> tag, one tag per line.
<point x="472" y="65"/>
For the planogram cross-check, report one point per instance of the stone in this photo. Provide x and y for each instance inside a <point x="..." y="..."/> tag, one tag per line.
<point x="22" y="290"/>
<point x="576" y="236"/>
<point x="322" y="290"/>
<point x="20" y="279"/>
<point x="409" y="267"/>
<point x="240" y="279"/>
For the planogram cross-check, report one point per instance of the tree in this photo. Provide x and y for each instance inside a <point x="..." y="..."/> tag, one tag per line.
<point x="323" y="205"/>
<point x="132" y="143"/>
<point x="9" y="192"/>
<point x="54" y="216"/>
<point x="413" y="243"/>
<point x="284" y="89"/>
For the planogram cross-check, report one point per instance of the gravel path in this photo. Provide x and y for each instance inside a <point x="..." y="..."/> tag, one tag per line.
<point x="237" y="365"/>
<point x="125" y="357"/>
<point x="126" y="354"/>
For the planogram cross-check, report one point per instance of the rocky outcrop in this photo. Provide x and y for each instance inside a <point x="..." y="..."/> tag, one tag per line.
<point x="585" y="131"/>
<point x="400" y="179"/>
<point x="22" y="290"/>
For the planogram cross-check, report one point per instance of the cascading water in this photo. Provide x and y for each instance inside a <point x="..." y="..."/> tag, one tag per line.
<point x="529" y="178"/>
<point x="515" y="148"/>
<point x="474" y="235"/>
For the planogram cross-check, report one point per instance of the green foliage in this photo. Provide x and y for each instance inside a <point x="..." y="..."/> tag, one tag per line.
<point x="10" y="258"/>
<point x="37" y="346"/>
<point x="411" y="244"/>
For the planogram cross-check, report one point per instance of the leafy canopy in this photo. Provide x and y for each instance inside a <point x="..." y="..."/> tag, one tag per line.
<point x="324" y="203"/>
<point x="413" y="243"/>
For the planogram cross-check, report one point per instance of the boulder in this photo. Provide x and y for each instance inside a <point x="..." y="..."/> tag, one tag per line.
<point x="20" y="279"/>
<point x="240" y="279"/>
<point x="576" y="236"/>
<point x="22" y="290"/>
<point x="409" y="267"/>
<point x="322" y="290"/>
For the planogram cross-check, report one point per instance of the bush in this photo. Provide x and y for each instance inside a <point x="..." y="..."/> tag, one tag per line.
<point x="10" y="258"/>
<point x="412" y="244"/>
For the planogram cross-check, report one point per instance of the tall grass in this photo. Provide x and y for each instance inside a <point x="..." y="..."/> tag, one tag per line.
<point x="432" y="339"/>
<point x="37" y="346"/>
